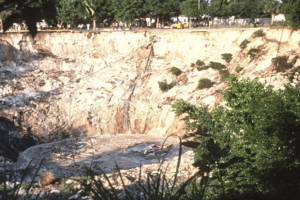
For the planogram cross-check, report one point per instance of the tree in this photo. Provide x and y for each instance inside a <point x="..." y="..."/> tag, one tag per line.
<point x="67" y="12"/>
<point x="103" y="10"/>
<point x="162" y="8"/>
<point x="251" y="147"/>
<point x="128" y="10"/>
<point x="33" y="11"/>
<point x="272" y="7"/>
<point x="292" y="9"/>
<point x="189" y="9"/>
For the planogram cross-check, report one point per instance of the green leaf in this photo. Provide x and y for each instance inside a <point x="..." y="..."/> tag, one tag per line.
<point x="248" y="151"/>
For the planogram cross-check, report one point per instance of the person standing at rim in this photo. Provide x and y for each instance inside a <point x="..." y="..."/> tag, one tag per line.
<point x="117" y="25"/>
<point x="121" y="25"/>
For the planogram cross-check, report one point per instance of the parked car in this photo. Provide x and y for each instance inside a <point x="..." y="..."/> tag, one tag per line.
<point x="183" y="25"/>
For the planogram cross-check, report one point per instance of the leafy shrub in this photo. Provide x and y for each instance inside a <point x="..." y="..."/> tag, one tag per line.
<point x="244" y="44"/>
<point x="200" y="63"/>
<point x="163" y="85"/>
<point x="192" y="64"/>
<point x="204" y="83"/>
<point x="280" y="63"/>
<point x="224" y="74"/>
<point x="251" y="144"/>
<point x="216" y="65"/>
<point x="176" y="71"/>
<point x="238" y="69"/>
<point x="258" y="33"/>
<point x="227" y="57"/>
<point x="202" y="68"/>
<point x="253" y="52"/>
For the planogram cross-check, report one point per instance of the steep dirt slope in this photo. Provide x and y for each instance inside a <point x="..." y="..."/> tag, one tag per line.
<point x="63" y="84"/>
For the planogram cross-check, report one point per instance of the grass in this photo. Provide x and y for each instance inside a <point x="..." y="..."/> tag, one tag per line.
<point x="217" y="65"/>
<point x="227" y="57"/>
<point x="163" y="85"/>
<point x="224" y="74"/>
<point x="280" y="63"/>
<point x="238" y="69"/>
<point x="244" y="44"/>
<point x="176" y="71"/>
<point x="253" y="52"/>
<point x="202" y="68"/>
<point x="204" y="83"/>
<point x="294" y="60"/>
<point x="200" y="63"/>
<point x="258" y="33"/>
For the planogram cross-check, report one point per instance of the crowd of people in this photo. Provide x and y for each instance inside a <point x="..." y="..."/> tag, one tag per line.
<point x="116" y="25"/>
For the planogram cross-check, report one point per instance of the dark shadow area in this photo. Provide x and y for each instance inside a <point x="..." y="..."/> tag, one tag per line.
<point x="11" y="141"/>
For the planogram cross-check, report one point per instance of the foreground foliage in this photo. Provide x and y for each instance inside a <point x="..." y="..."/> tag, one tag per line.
<point x="251" y="149"/>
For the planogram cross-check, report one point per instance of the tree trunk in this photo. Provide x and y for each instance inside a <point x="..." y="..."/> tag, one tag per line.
<point x="190" y="23"/>
<point x="199" y="4"/>
<point x="157" y="21"/>
<point x="1" y="25"/>
<point x="94" y="25"/>
<point x="273" y="17"/>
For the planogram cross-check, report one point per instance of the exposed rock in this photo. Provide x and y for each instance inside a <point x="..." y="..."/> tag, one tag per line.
<point x="46" y="178"/>
<point x="67" y="85"/>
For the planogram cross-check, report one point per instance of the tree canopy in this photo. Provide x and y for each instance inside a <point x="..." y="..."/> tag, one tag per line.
<point x="70" y="11"/>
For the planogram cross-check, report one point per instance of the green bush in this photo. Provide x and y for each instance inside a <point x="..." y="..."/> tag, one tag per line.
<point x="253" y="52"/>
<point x="251" y="146"/>
<point x="192" y="64"/>
<point x="224" y="74"/>
<point x="238" y="69"/>
<point x="258" y="33"/>
<point x="216" y="65"/>
<point x="200" y="63"/>
<point x="227" y="57"/>
<point x="280" y="63"/>
<point x="202" y="68"/>
<point x="204" y="83"/>
<point x="176" y="71"/>
<point x="244" y="44"/>
<point x="163" y="85"/>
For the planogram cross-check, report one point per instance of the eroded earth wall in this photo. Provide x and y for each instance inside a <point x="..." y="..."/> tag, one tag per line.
<point x="63" y="84"/>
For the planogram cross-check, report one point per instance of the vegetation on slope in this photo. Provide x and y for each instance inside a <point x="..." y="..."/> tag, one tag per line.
<point x="249" y="150"/>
